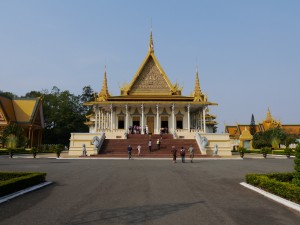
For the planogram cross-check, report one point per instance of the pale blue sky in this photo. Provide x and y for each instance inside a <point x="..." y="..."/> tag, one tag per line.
<point x="248" y="52"/>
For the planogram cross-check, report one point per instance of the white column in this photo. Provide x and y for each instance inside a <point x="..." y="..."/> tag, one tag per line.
<point x="173" y="117"/>
<point x="111" y="117"/>
<point x="142" y="107"/>
<point x="96" y="120"/>
<point x="99" y="119"/>
<point x="189" y="122"/>
<point x="157" y="118"/>
<point x="107" y="120"/>
<point x="201" y="120"/>
<point x="204" y="120"/>
<point x="126" y="118"/>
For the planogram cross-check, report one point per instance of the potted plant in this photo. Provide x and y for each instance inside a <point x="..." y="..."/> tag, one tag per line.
<point x="34" y="152"/>
<point x="242" y="151"/>
<point x="58" y="149"/>
<point x="264" y="151"/>
<point x="10" y="152"/>
<point x="288" y="152"/>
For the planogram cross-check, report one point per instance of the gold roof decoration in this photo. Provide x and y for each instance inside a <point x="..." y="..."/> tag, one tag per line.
<point x="150" y="78"/>
<point x="103" y="94"/>
<point x="198" y="95"/>
<point x="246" y="135"/>
<point x="269" y="117"/>
<point x="270" y="122"/>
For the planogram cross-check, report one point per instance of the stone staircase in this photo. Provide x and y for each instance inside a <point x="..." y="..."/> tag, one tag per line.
<point x="118" y="147"/>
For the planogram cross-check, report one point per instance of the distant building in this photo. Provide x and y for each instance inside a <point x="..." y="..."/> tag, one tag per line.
<point x="240" y="134"/>
<point x="26" y="113"/>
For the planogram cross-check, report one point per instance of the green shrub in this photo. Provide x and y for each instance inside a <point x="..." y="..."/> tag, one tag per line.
<point x="296" y="179"/>
<point x="11" y="182"/>
<point x="277" y="183"/>
<point x="242" y="151"/>
<point x="288" y="152"/>
<point x="265" y="151"/>
<point x="58" y="149"/>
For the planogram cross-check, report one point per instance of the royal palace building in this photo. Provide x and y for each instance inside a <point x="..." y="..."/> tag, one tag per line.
<point x="149" y="104"/>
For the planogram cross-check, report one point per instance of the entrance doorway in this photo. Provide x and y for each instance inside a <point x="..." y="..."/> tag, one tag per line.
<point x="179" y="122"/>
<point x="121" y="122"/>
<point x="164" y="124"/>
<point x="136" y="121"/>
<point x="150" y="124"/>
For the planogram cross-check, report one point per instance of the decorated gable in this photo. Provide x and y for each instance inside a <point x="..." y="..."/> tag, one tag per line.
<point x="150" y="80"/>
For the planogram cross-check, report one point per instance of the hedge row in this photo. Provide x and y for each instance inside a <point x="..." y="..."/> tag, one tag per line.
<point x="11" y="182"/>
<point x="277" y="183"/>
<point x="16" y="151"/>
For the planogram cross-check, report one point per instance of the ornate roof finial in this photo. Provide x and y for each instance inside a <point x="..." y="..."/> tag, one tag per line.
<point x="151" y="46"/>
<point x="269" y="117"/>
<point x="103" y="94"/>
<point x="198" y="96"/>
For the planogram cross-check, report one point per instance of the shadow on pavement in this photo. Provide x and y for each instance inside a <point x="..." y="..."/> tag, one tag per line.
<point x="130" y="215"/>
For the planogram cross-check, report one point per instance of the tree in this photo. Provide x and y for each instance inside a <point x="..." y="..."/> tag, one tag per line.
<point x="63" y="114"/>
<point x="8" y="94"/>
<point x="19" y="136"/>
<point x="86" y="96"/>
<point x="270" y="138"/>
<point x="252" y="125"/>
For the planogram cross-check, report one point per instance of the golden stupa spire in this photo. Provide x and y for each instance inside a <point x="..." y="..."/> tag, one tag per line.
<point x="103" y="94"/>
<point x="151" y="46"/>
<point x="269" y="117"/>
<point x="198" y="96"/>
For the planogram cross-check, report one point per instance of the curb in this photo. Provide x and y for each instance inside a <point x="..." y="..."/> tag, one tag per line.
<point x="276" y="198"/>
<point x="168" y="159"/>
<point x="24" y="191"/>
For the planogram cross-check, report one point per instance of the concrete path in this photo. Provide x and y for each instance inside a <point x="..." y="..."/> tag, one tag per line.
<point x="145" y="192"/>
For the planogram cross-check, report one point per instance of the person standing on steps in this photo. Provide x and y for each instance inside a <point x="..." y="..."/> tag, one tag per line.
<point x="129" y="149"/>
<point x="150" y="145"/>
<point x="174" y="153"/>
<point x="139" y="150"/>
<point x="182" y="154"/>
<point x="158" y="144"/>
<point x="191" y="151"/>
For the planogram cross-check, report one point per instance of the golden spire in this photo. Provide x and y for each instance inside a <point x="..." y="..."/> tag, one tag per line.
<point x="151" y="46"/>
<point x="269" y="117"/>
<point x="198" y="96"/>
<point x="103" y="94"/>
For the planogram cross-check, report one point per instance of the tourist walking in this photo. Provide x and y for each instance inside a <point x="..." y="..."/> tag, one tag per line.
<point x="150" y="145"/>
<point x="158" y="144"/>
<point x="129" y="149"/>
<point x="191" y="151"/>
<point x="174" y="153"/>
<point x="139" y="150"/>
<point x="182" y="154"/>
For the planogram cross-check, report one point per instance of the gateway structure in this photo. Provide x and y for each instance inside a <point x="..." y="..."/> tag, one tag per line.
<point x="150" y="104"/>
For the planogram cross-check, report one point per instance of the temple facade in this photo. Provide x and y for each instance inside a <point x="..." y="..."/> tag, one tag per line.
<point x="149" y="104"/>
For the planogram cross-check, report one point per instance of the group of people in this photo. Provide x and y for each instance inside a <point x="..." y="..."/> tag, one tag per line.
<point x="129" y="149"/>
<point x="173" y="151"/>
<point x="137" y="129"/>
<point x="182" y="153"/>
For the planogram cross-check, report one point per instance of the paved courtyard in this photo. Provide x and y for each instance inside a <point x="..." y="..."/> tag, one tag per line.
<point x="97" y="191"/>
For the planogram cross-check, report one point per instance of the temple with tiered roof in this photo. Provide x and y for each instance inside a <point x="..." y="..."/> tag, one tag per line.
<point x="150" y="104"/>
<point x="240" y="133"/>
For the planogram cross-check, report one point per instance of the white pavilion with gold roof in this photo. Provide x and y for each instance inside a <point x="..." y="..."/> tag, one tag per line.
<point x="150" y="102"/>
